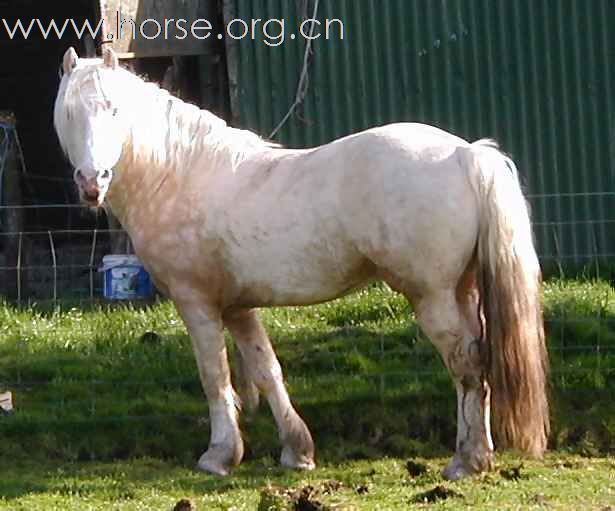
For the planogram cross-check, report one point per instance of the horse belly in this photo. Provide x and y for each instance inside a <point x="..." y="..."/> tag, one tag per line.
<point x="307" y="277"/>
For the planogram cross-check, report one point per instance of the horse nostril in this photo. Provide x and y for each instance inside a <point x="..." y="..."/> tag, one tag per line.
<point x="91" y="195"/>
<point x="78" y="175"/>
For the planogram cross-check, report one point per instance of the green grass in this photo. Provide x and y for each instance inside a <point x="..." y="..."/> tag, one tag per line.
<point x="91" y="389"/>
<point x="558" y="482"/>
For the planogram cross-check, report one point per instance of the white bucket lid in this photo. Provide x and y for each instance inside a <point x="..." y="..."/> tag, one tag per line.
<point x="114" y="260"/>
<point x="6" y="401"/>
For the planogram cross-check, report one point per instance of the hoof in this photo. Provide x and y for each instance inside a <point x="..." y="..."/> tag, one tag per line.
<point x="458" y="468"/>
<point x="297" y="461"/>
<point x="212" y="466"/>
<point x="219" y="460"/>
<point x="298" y="447"/>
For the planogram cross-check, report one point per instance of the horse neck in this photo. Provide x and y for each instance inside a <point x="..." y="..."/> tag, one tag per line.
<point x="166" y="144"/>
<point x="168" y="132"/>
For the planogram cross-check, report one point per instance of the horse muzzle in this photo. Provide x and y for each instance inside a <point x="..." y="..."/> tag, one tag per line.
<point x="93" y="198"/>
<point x="91" y="192"/>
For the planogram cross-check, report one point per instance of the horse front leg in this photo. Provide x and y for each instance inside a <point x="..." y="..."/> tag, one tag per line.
<point x="264" y="369"/>
<point x="204" y="324"/>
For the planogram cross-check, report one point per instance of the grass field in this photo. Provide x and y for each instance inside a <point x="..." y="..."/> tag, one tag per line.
<point x="561" y="481"/>
<point x="109" y="413"/>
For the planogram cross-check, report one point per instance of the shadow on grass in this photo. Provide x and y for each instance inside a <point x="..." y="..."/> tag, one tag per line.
<point x="120" y="479"/>
<point x="365" y="394"/>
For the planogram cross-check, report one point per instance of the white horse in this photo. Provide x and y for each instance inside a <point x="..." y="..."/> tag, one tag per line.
<point x="226" y="222"/>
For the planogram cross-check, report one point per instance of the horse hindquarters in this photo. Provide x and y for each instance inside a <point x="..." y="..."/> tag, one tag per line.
<point x="510" y="359"/>
<point x="431" y="259"/>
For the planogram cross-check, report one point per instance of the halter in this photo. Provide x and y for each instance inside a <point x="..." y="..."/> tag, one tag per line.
<point x="99" y="87"/>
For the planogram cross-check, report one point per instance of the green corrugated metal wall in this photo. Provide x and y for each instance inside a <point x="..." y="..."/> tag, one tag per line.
<point x="536" y="75"/>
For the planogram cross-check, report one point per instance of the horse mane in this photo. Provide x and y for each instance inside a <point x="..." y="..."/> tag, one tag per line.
<point x="163" y="129"/>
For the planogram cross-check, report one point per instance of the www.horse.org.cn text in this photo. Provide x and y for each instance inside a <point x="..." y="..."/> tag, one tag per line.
<point x="272" y="32"/>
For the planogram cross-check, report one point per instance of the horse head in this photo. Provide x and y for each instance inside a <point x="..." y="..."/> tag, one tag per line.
<point x="92" y="120"/>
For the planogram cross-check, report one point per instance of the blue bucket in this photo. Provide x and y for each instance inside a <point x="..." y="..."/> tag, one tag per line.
<point x="125" y="278"/>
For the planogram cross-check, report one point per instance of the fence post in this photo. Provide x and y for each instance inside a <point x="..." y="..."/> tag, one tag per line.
<point x="92" y="254"/>
<point x="55" y="269"/>
<point x="19" y="254"/>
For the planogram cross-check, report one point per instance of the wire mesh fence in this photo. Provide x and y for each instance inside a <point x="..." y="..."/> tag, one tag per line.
<point x="61" y="264"/>
<point x="574" y="229"/>
<point x="56" y="266"/>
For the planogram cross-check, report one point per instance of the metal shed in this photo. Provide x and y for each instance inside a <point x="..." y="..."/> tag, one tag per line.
<point x="537" y="75"/>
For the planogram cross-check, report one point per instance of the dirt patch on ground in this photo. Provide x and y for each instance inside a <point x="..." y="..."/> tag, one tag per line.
<point x="184" y="505"/>
<point x="513" y="473"/>
<point x="436" y="494"/>
<point x="311" y="497"/>
<point x="416" y="469"/>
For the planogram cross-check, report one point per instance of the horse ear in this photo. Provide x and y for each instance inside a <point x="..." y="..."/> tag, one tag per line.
<point x="70" y="60"/>
<point x="110" y="58"/>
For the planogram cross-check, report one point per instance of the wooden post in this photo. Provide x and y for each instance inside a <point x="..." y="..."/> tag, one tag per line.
<point x="232" y="62"/>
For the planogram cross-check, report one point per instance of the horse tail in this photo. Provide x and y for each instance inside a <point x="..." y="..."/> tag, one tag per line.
<point x="509" y="282"/>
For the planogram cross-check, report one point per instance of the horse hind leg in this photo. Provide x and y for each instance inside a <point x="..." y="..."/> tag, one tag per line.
<point x="451" y="322"/>
<point x="262" y="368"/>
<point x="246" y="388"/>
